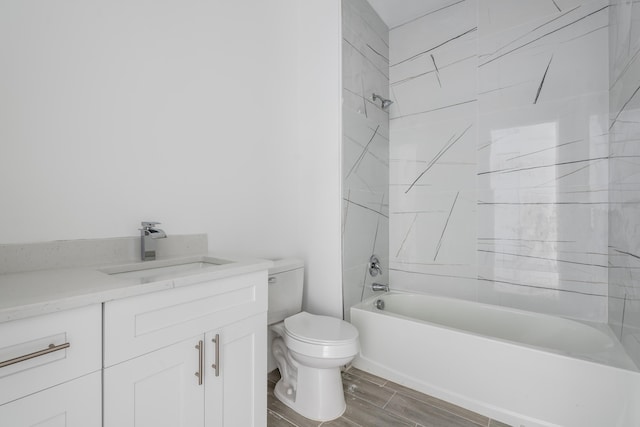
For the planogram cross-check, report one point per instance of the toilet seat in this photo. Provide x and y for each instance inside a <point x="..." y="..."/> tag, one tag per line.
<point x="320" y="336"/>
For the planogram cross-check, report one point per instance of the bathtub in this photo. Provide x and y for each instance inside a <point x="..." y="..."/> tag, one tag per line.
<point x="521" y="368"/>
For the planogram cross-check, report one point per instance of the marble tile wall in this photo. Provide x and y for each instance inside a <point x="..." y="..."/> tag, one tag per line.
<point x="433" y="126"/>
<point x="499" y="154"/>
<point x="365" y="140"/>
<point x="624" y="173"/>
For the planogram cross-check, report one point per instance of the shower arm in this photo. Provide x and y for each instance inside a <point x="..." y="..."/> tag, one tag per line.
<point x="385" y="103"/>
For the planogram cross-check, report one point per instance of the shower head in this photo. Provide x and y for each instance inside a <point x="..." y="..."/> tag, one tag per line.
<point x="385" y="102"/>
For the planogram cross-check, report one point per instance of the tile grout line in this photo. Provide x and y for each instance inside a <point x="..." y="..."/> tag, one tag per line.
<point x="383" y="385"/>
<point x="279" y="415"/>
<point x="384" y="382"/>
<point x="285" y="418"/>
<point x="389" y="400"/>
<point x="351" y="421"/>
<point x="396" y="415"/>
<point x="437" y="407"/>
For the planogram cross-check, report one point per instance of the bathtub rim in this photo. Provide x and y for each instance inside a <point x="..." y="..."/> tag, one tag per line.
<point x="603" y="328"/>
<point x="621" y="386"/>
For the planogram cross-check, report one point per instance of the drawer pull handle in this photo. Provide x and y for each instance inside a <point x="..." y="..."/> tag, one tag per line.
<point x="35" y="354"/>
<point x="216" y="365"/>
<point x="200" y="348"/>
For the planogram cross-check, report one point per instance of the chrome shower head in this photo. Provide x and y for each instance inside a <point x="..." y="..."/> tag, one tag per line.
<point x="385" y="102"/>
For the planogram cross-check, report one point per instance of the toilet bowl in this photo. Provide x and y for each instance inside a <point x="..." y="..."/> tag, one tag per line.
<point x="309" y="351"/>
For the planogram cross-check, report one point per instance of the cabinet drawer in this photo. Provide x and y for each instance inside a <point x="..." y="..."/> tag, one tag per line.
<point x="139" y="325"/>
<point x="76" y="403"/>
<point x="34" y="353"/>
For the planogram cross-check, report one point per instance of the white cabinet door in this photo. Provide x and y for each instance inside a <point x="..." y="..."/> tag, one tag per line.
<point x="75" y="403"/>
<point x="158" y="389"/>
<point x="237" y="397"/>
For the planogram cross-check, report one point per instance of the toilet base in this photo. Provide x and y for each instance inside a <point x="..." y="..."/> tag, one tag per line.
<point x="319" y="395"/>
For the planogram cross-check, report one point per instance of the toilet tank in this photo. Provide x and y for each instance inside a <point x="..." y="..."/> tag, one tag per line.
<point x="286" y="279"/>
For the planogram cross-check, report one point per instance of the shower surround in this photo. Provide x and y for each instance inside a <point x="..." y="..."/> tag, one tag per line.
<point x="365" y="146"/>
<point x="499" y="154"/>
<point x="624" y="174"/>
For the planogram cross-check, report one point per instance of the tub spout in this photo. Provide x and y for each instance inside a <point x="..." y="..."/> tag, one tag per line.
<point x="379" y="287"/>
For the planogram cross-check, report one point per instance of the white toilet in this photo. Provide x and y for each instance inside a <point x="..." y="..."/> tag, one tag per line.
<point x="308" y="349"/>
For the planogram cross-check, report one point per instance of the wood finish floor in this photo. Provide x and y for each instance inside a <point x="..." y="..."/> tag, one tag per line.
<point x="375" y="402"/>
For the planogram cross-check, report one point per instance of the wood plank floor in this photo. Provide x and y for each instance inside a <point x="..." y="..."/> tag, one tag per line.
<point x="375" y="402"/>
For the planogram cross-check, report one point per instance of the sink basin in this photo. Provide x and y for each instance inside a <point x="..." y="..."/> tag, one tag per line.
<point x="153" y="273"/>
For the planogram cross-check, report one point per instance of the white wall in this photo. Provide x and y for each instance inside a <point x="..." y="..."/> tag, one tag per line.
<point x="184" y="112"/>
<point x="116" y="113"/>
<point x="320" y="128"/>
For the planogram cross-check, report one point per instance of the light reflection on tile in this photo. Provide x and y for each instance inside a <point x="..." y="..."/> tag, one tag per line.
<point x="531" y="174"/>
<point x="624" y="150"/>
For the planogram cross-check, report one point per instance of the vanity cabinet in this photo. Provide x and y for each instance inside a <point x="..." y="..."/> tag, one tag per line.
<point x="50" y="369"/>
<point x="189" y="356"/>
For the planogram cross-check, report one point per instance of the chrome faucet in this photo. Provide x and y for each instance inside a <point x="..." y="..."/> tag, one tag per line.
<point x="379" y="287"/>
<point x="374" y="266"/>
<point x="148" y="235"/>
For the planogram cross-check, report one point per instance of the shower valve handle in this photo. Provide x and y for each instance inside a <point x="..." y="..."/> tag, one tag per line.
<point x="374" y="266"/>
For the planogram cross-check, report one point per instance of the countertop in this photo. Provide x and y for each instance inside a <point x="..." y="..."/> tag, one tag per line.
<point x="45" y="291"/>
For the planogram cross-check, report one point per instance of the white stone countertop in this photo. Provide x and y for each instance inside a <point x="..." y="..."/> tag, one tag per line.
<point x="45" y="291"/>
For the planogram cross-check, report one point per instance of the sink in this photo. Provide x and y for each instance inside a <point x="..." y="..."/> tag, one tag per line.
<point x="144" y="273"/>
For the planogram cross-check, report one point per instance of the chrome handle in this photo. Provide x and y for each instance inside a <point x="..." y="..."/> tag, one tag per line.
<point x="216" y="365"/>
<point x="200" y="348"/>
<point x="374" y="266"/>
<point x="146" y="225"/>
<point x="48" y="350"/>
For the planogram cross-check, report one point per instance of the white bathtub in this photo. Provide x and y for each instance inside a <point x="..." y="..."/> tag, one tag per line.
<point x="521" y="368"/>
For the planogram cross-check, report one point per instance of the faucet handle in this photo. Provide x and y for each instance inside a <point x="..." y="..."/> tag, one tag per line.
<point x="374" y="266"/>
<point x="146" y="225"/>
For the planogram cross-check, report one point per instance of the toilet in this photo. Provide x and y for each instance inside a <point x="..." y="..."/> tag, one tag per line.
<point x="308" y="349"/>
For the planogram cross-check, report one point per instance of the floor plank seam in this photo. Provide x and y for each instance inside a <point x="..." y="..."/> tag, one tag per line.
<point x="389" y="400"/>
<point x="290" y="421"/>
<point x="367" y="377"/>
<point x="350" y="420"/>
<point x="456" y="414"/>
<point x="279" y="415"/>
<point x="438" y="408"/>
<point x="401" y="417"/>
<point x="443" y="408"/>
<point x="399" y="406"/>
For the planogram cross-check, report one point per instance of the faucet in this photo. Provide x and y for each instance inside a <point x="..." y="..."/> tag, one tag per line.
<point x="379" y="287"/>
<point x="148" y="235"/>
<point x="374" y="266"/>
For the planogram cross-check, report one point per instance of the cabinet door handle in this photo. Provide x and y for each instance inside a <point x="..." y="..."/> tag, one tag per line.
<point x="38" y="353"/>
<point x="200" y="348"/>
<point x="216" y="365"/>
